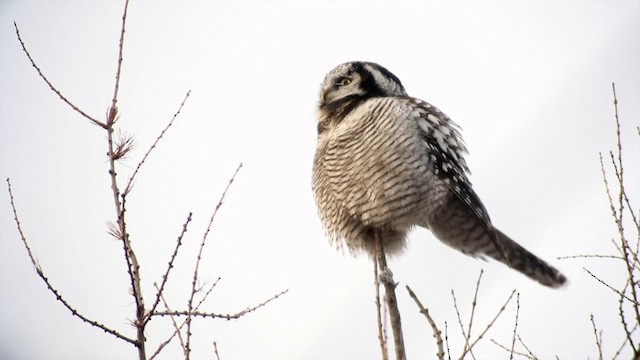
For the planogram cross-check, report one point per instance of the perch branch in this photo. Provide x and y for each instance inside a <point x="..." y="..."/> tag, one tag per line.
<point x="382" y="336"/>
<point x="390" y="297"/>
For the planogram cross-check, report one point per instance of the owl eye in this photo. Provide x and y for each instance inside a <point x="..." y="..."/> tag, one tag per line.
<point x="343" y="81"/>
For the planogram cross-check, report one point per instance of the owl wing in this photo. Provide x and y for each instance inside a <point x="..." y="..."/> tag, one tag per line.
<point x="446" y="150"/>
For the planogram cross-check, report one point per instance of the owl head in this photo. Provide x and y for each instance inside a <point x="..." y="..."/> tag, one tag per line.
<point x="358" y="80"/>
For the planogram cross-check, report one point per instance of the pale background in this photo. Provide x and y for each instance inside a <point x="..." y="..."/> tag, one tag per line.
<point x="529" y="83"/>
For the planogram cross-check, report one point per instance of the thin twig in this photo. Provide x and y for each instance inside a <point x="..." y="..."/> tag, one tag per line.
<point x="473" y="310"/>
<point x="511" y="351"/>
<point x="436" y="332"/>
<point x="116" y="86"/>
<point x="53" y="290"/>
<point x="455" y="306"/>
<point x="590" y="256"/>
<point x="173" y="319"/>
<point x="177" y="331"/>
<point x="622" y="316"/>
<point x="598" y="338"/>
<point x="197" y="267"/>
<point x="165" y="277"/>
<point x="526" y="348"/>
<point x="221" y="316"/>
<point x="489" y="325"/>
<point x="382" y="335"/>
<point x="515" y="326"/>
<point x="619" y="171"/>
<point x="215" y="350"/>
<point x="53" y="88"/>
<point x="446" y="340"/>
<point x="611" y="287"/>
<point x="623" y="193"/>
<point x="390" y="298"/>
<point x="130" y="183"/>
<point x="615" y="356"/>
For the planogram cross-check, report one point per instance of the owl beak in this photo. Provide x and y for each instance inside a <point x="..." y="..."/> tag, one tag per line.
<point x="324" y="93"/>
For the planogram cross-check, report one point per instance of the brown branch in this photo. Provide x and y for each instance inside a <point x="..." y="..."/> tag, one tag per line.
<point x="623" y="319"/>
<point x="386" y="278"/>
<point x="455" y="306"/>
<point x="623" y="200"/>
<point x="173" y="322"/>
<point x="623" y="194"/>
<point x="220" y="316"/>
<point x="615" y="356"/>
<point x="511" y="351"/>
<point x="53" y="290"/>
<point x="133" y="267"/>
<point x="382" y="336"/>
<point x="473" y="310"/>
<point x="515" y="326"/>
<point x="598" y="338"/>
<point x="155" y="143"/>
<point x="215" y="350"/>
<point x="590" y="256"/>
<point x="114" y="101"/>
<point x="526" y="348"/>
<point x="177" y="329"/>
<point x="195" y="271"/>
<point x="165" y="277"/>
<point x="611" y="287"/>
<point x="489" y="325"/>
<point x="53" y="88"/>
<point x="446" y="340"/>
<point x="437" y="334"/>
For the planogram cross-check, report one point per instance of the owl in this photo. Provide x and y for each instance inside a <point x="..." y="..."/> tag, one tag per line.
<point x="387" y="162"/>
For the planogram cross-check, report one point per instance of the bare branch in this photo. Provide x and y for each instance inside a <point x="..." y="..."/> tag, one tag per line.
<point x="111" y="119"/>
<point x="195" y="270"/>
<point x="611" y="287"/>
<point x="165" y="277"/>
<point x="133" y="267"/>
<point x="177" y="330"/>
<point x="590" y="256"/>
<point x="464" y="333"/>
<point x="511" y="351"/>
<point x="382" y="335"/>
<point x="153" y="146"/>
<point x="526" y="348"/>
<point x="173" y="322"/>
<point x="220" y="316"/>
<point x="446" y="340"/>
<point x="598" y="338"/>
<point x="515" y="326"/>
<point x="473" y="310"/>
<point x="615" y="356"/>
<point x="53" y="88"/>
<point x="436" y="332"/>
<point x="489" y="325"/>
<point x="215" y="350"/>
<point x="53" y="290"/>
<point x="386" y="278"/>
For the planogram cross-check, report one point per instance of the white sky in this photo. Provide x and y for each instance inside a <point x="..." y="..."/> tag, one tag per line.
<point x="529" y="83"/>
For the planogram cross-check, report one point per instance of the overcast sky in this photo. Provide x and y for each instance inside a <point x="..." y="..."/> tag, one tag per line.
<point x="529" y="83"/>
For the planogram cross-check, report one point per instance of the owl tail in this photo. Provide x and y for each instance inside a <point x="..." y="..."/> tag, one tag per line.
<point x="522" y="260"/>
